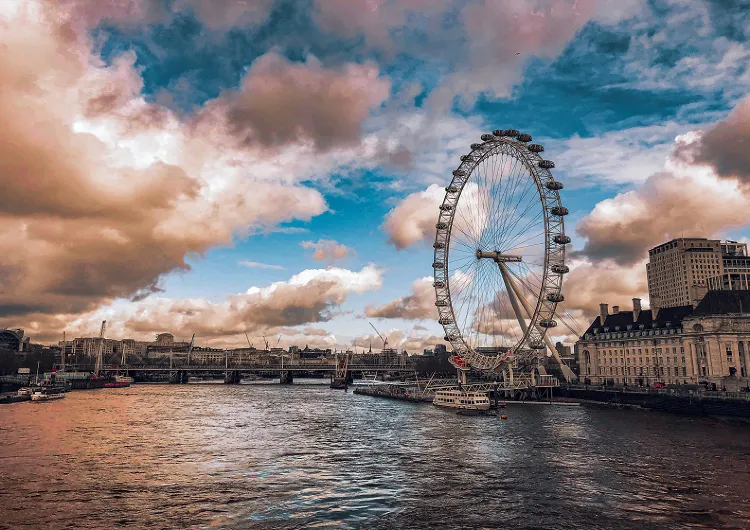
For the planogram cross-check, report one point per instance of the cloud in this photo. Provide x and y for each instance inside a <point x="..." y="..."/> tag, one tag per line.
<point x="420" y="304"/>
<point x="712" y="43"/>
<point x="110" y="192"/>
<point x="682" y="200"/>
<point x="411" y="341"/>
<point x="327" y="250"/>
<point x="258" y="265"/>
<point x="726" y="145"/>
<point x="414" y="218"/>
<point x="226" y="14"/>
<point x="590" y="284"/>
<point x="280" y="102"/>
<point x="215" y="15"/>
<point x="374" y="19"/>
<point x="487" y="43"/>
<point x="622" y="156"/>
<point x="308" y="297"/>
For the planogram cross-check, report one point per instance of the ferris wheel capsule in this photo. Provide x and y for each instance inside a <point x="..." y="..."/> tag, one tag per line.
<point x="487" y="137"/>
<point x="555" y="297"/>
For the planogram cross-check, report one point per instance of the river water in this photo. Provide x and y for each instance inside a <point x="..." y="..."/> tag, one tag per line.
<point x="267" y="456"/>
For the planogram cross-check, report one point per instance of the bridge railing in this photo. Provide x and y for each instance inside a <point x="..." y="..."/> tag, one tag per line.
<point x="271" y="367"/>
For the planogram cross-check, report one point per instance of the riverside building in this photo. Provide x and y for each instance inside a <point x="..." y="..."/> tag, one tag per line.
<point x="709" y="343"/>
<point x="681" y="271"/>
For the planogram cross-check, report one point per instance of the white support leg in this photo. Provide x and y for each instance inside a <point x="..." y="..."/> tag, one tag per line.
<point x="511" y="286"/>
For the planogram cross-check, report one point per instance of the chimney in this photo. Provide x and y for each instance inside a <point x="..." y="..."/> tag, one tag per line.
<point x="615" y="309"/>
<point x="603" y="312"/>
<point x="655" y="307"/>
<point x="636" y="309"/>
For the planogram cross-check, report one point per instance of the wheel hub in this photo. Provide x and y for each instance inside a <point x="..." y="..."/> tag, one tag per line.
<point x="497" y="257"/>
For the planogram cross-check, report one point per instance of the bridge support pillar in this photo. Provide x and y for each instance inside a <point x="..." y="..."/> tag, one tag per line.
<point x="178" y="377"/>
<point x="286" y="378"/>
<point x="232" y="378"/>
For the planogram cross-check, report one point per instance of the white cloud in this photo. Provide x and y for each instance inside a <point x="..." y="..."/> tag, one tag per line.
<point x="327" y="250"/>
<point x="258" y="265"/>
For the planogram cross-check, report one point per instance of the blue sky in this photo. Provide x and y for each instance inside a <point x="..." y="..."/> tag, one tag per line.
<point x="606" y="86"/>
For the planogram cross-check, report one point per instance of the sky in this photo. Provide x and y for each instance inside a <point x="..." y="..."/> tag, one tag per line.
<point x="274" y="167"/>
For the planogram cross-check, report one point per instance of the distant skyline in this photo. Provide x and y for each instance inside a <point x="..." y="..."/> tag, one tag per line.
<point x="274" y="167"/>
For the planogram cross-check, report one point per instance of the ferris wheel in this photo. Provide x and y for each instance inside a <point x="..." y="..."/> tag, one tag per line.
<point x="500" y="254"/>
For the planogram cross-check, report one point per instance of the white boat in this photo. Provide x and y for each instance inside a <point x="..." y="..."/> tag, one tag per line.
<point x="462" y="400"/>
<point x="47" y="393"/>
<point x="25" y="391"/>
<point x="124" y="379"/>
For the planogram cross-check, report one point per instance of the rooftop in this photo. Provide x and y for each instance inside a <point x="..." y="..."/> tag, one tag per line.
<point x="714" y="303"/>
<point x="620" y="321"/>
<point x="723" y="303"/>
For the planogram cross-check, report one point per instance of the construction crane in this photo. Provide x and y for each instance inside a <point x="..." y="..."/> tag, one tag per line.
<point x="98" y="366"/>
<point x="249" y="346"/>
<point x="384" y="339"/>
<point x="268" y="348"/>
<point x="190" y="348"/>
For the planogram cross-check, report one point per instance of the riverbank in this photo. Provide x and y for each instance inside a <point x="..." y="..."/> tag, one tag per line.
<point x="709" y="404"/>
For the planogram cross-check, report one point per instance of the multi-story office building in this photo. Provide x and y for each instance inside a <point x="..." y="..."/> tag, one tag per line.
<point x="677" y="345"/>
<point x="678" y="271"/>
<point x="681" y="271"/>
<point x="736" y="268"/>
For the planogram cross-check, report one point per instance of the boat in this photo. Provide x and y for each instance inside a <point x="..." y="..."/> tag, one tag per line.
<point x="339" y="384"/>
<point x="462" y="399"/>
<point x="116" y="384"/>
<point x="47" y="393"/>
<point x="25" y="391"/>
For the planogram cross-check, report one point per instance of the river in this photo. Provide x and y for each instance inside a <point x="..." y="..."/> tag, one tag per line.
<point x="267" y="456"/>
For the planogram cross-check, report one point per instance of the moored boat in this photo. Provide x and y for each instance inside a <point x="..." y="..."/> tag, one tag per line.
<point x="47" y="393"/>
<point x="462" y="399"/>
<point x="116" y="384"/>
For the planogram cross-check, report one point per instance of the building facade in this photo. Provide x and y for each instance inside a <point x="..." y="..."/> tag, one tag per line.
<point x="676" y="266"/>
<point x="679" y="345"/>
<point x="735" y="275"/>
<point x="681" y="271"/>
<point x="13" y="340"/>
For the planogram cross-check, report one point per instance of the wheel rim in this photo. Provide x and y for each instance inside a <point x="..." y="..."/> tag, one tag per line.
<point x="499" y="253"/>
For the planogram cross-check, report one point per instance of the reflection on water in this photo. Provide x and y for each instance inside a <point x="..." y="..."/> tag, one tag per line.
<point x="267" y="456"/>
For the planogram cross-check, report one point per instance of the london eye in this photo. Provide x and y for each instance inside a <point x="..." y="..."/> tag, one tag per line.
<point x="499" y="257"/>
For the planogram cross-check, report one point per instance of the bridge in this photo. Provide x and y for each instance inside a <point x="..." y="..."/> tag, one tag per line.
<point x="233" y="373"/>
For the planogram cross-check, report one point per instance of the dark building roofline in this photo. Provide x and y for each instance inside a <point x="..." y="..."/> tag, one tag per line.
<point x="714" y="303"/>
<point x="679" y="239"/>
<point x="723" y="303"/>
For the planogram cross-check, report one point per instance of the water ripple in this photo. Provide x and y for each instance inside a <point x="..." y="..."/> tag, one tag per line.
<point x="259" y="456"/>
